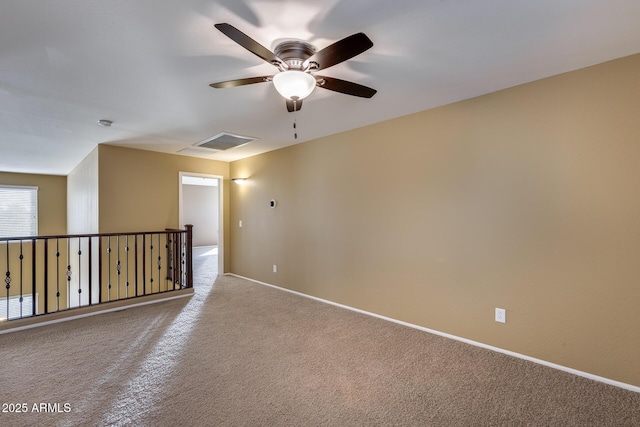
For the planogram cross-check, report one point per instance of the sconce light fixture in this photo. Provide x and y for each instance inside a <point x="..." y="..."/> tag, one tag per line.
<point x="239" y="181"/>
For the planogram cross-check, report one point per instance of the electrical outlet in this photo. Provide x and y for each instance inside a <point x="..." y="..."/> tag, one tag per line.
<point x="275" y="268"/>
<point x="501" y="315"/>
<point x="240" y="223"/>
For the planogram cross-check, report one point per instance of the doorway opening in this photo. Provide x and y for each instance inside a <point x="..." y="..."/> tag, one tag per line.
<point x="200" y="204"/>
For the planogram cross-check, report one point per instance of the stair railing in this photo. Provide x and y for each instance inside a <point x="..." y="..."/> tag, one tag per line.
<point x="49" y="274"/>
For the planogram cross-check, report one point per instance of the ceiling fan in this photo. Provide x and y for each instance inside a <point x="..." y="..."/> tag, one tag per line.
<point x="296" y="60"/>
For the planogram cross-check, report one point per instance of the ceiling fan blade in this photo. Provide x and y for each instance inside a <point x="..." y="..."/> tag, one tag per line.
<point x="290" y="106"/>
<point x="241" y="82"/>
<point x="340" y="51"/>
<point x="248" y="43"/>
<point x="345" y="87"/>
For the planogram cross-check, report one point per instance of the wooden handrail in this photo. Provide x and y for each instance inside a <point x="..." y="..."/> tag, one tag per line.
<point x="70" y="236"/>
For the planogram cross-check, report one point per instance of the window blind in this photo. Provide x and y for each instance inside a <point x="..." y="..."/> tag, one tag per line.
<point x="18" y="211"/>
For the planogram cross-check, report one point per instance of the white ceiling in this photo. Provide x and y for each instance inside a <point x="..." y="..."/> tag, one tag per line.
<point x="147" y="65"/>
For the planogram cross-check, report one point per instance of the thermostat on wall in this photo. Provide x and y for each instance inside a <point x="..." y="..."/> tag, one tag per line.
<point x="272" y="203"/>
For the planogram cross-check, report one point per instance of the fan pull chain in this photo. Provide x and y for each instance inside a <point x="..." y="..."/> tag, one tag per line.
<point x="295" y="119"/>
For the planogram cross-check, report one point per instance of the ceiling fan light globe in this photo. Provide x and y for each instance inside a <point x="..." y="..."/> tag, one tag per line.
<point x="293" y="84"/>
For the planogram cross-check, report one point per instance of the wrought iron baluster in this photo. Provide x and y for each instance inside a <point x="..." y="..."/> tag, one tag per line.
<point x="159" y="263"/>
<point x="126" y="250"/>
<point x="168" y="241"/>
<point x="176" y="255"/>
<point x="108" y="268"/>
<point x="144" y="260"/>
<point x="34" y="308"/>
<point x="46" y="275"/>
<point x="135" y="263"/>
<point x="178" y="249"/>
<point x="7" y="278"/>
<point x="68" y="273"/>
<point x="90" y="262"/>
<point x="100" y="270"/>
<point x="151" y="261"/>
<point x="79" y="272"/>
<point x="170" y="260"/>
<point x="183" y="261"/>
<point x="57" y="274"/>
<point x="21" y="257"/>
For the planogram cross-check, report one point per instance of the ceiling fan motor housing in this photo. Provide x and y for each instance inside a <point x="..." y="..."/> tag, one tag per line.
<point x="294" y="53"/>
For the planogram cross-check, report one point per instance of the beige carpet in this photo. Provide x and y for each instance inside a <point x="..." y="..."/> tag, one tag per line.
<point x="241" y="354"/>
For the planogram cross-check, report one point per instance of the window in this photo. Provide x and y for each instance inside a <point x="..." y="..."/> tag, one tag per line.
<point x="14" y="308"/>
<point x="18" y="211"/>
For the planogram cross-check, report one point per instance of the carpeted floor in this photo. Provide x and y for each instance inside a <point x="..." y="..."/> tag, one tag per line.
<point x="242" y="354"/>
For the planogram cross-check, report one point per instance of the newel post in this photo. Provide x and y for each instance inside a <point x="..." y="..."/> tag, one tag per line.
<point x="189" y="228"/>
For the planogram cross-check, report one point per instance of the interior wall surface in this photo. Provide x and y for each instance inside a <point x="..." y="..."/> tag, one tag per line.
<point x="52" y="199"/>
<point x="524" y="199"/>
<point x="139" y="189"/>
<point x="82" y="196"/>
<point x="202" y="212"/>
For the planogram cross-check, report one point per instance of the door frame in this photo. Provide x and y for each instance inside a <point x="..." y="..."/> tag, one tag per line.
<point x="220" y="179"/>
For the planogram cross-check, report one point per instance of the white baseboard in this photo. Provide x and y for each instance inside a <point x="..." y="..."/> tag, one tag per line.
<point x="453" y="337"/>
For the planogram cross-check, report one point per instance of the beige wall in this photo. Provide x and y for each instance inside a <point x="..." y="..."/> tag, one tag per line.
<point x="139" y="189"/>
<point x="524" y="199"/>
<point x="52" y="199"/>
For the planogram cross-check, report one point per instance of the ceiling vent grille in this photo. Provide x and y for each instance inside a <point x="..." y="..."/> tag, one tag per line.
<point x="224" y="141"/>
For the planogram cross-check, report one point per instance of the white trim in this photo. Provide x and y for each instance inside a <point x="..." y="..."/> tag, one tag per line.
<point x="32" y="187"/>
<point x="220" y="179"/>
<point x="454" y="337"/>
<point x="93" y="313"/>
